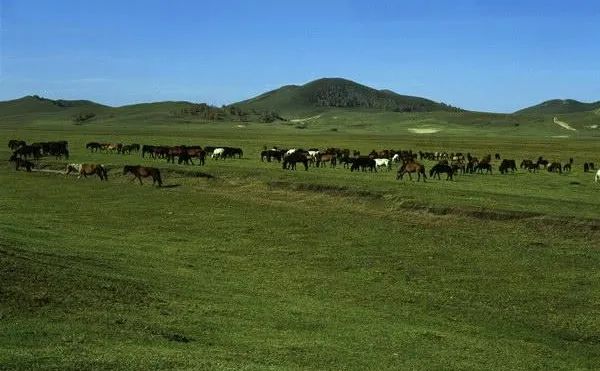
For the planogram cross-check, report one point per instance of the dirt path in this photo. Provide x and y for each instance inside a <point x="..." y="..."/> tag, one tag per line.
<point x="306" y="119"/>
<point x="563" y="124"/>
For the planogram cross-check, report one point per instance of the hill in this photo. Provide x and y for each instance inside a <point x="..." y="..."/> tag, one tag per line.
<point x="556" y="106"/>
<point x="36" y="104"/>
<point x="337" y="93"/>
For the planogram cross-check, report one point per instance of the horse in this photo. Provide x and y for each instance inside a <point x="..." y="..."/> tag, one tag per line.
<point x="19" y="162"/>
<point x="567" y="167"/>
<point x="442" y="168"/>
<point x="289" y="161"/>
<point x="232" y="152"/>
<point x="497" y="156"/>
<point x="597" y="178"/>
<point x="28" y="150"/>
<point x="147" y="148"/>
<point x="507" y="165"/>
<point x="412" y="167"/>
<point x="88" y="169"/>
<point x="143" y="172"/>
<point x="218" y="153"/>
<point x="383" y="162"/>
<point x="322" y="159"/>
<point x="270" y="154"/>
<point x="484" y="166"/>
<point x="15" y="143"/>
<point x="363" y="163"/>
<point x="542" y="163"/>
<point x="93" y="146"/>
<point x="555" y="167"/>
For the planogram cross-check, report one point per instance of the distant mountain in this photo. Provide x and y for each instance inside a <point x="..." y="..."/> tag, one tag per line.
<point x="557" y="106"/>
<point x="36" y="104"/>
<point x="337" y="93"/>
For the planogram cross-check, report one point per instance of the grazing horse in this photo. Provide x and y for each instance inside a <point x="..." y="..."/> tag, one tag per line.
<point x="19" y="162"/>
<point x="218" y="153"/>
<point x="289" y="161"/>
<point x="383" y="162"/>
<point x="567" y="167"/>
<point x="411" y="167"/>
<point x="442" y="168"/>
<point x="143" y="172"/>
<point x="88" y="169"/>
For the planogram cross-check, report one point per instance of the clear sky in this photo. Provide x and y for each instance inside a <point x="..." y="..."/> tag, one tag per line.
<point x="493" y="55"/>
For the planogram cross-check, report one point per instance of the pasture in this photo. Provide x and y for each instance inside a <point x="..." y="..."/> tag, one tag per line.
<point x="239" y="264"/>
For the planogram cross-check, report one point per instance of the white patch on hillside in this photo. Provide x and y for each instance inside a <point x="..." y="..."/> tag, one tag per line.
<point x="592" y="126"/>
<point x="423" y="130"/>
<point x="306" y="119"/>
<point x="563" y="124"/>
<point x="559" y="136"/>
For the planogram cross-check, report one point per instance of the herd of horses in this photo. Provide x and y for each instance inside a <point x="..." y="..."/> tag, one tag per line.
<point x="409" y="162"/>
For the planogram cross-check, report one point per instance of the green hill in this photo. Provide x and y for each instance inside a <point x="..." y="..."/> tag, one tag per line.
<point x="36" y="104"/>
<point x="337" y="93"/>
<point x="557" y="106"/>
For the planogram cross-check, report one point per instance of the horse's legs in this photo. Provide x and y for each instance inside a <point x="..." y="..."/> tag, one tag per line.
<point x="140" y="179"/>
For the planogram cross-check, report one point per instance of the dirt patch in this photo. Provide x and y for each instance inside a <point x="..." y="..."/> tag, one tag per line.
<point x="563" y="124"/>
<point x="424" y="130"/>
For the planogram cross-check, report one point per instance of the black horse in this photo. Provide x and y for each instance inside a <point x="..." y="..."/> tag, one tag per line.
<point x="507" y="165"/>
<point x="442" y="168"/>
<point x="290" y="161"/>
<point x="19" y="162"/>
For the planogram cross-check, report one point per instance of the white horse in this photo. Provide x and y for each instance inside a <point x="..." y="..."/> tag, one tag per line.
<point x="597" y="178"/>
<point x="313" y="156"/>
<point x="290" y="151"/>
<point x="383" y="162"/>
<point x="218" y="153"/>
<point x="396" y="158"/>
<point x="73" y="168"/>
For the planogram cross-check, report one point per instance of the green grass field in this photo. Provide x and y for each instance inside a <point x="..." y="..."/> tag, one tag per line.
<point x="261" y="268"/>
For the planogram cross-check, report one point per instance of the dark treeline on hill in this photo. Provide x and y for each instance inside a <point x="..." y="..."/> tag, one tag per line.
<point x="339" y="93"/>
<point x="347" y="94"/>
<point x="212" y="113"/>
<point x="556" y="106"/>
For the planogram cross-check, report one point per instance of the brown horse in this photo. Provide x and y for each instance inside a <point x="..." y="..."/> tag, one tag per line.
<point x="143" y="172"/>
<point x="88" y="169"/>
<point x="411" y="167"/>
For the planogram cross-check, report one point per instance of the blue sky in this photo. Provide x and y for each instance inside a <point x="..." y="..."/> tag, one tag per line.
<point x="480" y="55"/>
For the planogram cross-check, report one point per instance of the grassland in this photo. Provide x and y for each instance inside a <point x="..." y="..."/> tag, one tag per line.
<point x="259" y="268"/>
